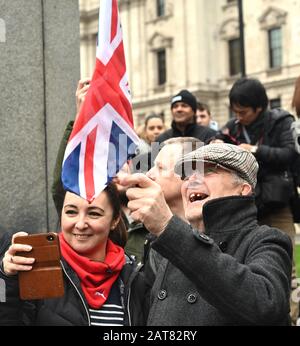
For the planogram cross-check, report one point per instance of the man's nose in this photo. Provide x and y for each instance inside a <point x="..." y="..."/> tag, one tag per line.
<point x="195" y="180"/>
<point x="238" y="115"/>
<point x="151" y="174"/>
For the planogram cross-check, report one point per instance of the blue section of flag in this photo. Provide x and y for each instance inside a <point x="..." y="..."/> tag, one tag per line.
<point x="119" y="150"/>
<point x="70" y="171"/>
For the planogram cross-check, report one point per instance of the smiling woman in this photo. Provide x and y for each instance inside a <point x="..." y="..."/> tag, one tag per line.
<point x="86" y="227"/>
<point x="93" y="262"/>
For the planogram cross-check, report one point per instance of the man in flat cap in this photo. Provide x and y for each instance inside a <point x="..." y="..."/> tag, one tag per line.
<point x="221" y="268"/>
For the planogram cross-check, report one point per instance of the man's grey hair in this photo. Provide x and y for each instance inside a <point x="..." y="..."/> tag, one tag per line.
<point x="188" y="144"/>
<point x="238" y="180"/>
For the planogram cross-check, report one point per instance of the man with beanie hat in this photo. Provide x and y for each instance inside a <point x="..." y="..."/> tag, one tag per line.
<point x="186" y="97"/>
<point x="183" y="108"/>
<point x="221" y="268"/>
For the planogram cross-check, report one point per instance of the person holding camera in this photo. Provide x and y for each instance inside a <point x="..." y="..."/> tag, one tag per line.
<point x="220" y="267"/>
<point x="102" y="286"/>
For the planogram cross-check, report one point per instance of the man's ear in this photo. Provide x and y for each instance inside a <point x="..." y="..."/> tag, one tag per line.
<point x="246" y="189"/>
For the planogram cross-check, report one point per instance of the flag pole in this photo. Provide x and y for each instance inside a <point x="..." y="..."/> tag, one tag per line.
<point x="242" y="42"/>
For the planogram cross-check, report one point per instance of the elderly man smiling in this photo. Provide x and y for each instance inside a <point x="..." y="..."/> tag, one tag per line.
<point x="222" y="268"/>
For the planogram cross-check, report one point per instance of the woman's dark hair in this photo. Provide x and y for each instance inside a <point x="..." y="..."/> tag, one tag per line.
<point x="153" y="116"/>
<point x="247" y="92"/>
<point x="119" y="234"/>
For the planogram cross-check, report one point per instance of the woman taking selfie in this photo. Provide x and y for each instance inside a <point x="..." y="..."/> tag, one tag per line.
<point x="102" y="286"/>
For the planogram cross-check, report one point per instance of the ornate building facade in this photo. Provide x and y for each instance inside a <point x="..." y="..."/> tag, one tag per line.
<point x="175" y="44"/>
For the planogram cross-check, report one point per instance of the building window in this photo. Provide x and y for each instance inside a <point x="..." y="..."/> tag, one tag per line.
<point x="275" y="103"/>
<point x="275" y="48"/>
<point x="161" y="67"/>
<point x="160" y="8"/>
<point x="234" y="57"/>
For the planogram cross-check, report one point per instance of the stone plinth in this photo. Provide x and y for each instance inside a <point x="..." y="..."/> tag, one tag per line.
<point x="39" y="64"/>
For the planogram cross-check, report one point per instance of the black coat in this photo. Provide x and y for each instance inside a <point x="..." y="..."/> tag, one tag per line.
<point x="72" y="308"/>
<point x="271" y="132"/>
<point x="237" y="273"/>
<point x="204" y="134"/>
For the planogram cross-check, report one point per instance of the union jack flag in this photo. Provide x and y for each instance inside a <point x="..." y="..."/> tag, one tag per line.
<point x="103" y="138"/>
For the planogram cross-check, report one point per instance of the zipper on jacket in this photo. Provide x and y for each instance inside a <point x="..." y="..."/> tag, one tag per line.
<point x="129" y="283"/>
<point x="82" y="300"/>
<point x="126" y="308"/>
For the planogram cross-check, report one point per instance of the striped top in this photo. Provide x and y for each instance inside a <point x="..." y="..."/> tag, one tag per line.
<point x="111" y="313"/>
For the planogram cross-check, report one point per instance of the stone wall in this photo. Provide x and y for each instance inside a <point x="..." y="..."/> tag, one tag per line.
<point x="39" y="64"/>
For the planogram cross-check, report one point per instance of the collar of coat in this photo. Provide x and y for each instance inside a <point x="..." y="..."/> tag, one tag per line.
<point x="189" y="128"/>
<point x="229" y="214"/>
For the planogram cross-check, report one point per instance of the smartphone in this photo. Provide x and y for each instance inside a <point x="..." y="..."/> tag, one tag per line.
<point x="45" y="279"/>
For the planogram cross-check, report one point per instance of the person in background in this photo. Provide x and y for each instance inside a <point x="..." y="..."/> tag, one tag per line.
<point x="295" y="203"/>
<point x="222" y="267"/>
<point x="296" y="124"/>
<point x="153" y="127"/>
<point x="296" y="97"/>
<point x="183" y="108"/>
<point x="163" y="174"/>
<point x="267" y="135"/>
<point x="203" y="116"/>
<point x="98" y="275"/>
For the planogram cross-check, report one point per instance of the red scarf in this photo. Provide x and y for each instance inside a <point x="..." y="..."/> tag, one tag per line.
<point x="96" y="278"/>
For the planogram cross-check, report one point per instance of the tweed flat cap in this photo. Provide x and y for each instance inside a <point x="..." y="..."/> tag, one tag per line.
<point x="227" y="155"/>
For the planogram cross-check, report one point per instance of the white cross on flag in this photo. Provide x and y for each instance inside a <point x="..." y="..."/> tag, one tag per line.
<point x="103" y="138"/>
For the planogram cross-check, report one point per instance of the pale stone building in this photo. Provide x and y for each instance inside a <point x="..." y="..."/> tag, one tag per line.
<point x="194" y="44"/>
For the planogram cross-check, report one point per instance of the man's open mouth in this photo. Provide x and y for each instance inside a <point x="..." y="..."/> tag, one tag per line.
<point x="197" y="197"/>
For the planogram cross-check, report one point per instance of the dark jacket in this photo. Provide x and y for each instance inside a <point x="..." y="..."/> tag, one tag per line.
<point x="296" y="97"/>
<point x="237" y="273"/>
<point x="137" y="233"/>
<point x="72" y="308"/>
<point x="58" y="192"/>
<point x="271" y="132"/>
<point x="203" y="133"/>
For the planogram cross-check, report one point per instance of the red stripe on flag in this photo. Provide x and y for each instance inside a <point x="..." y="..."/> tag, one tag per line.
<point x="105" y="89"/>
<point x="89" y="164"/>
<point x="114" y="20"/>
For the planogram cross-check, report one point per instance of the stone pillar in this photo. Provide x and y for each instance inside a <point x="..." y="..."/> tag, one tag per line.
<point x="40" y="67"/>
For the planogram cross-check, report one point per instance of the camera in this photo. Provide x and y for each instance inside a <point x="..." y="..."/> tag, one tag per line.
<point x="50" y="237"/>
